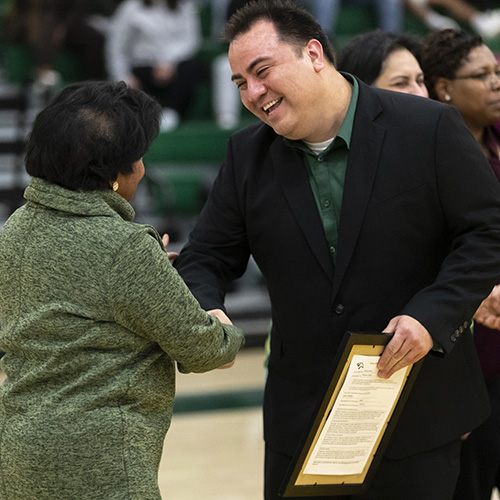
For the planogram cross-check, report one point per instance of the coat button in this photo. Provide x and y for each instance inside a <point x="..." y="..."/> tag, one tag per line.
<point x="339" y="309"/>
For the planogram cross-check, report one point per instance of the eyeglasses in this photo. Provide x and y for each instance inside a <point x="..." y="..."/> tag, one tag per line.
<point x="489" y="79"/>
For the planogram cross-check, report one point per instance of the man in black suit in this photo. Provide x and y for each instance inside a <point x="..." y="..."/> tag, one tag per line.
<point x="366" y="210"/>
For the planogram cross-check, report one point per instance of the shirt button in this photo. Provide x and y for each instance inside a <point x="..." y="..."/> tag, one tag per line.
<point x="339" y="309"/>
<point x="320" y="158"/>
<point x="326" y="203"/>
<point x="332" y="249"/>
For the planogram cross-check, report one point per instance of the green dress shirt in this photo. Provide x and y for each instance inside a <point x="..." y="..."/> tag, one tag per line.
<point x="327" y="172"/>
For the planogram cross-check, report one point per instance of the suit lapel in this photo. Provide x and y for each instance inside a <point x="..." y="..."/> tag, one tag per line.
<point x="294" y="180"/>
<point x="366" y="144"/>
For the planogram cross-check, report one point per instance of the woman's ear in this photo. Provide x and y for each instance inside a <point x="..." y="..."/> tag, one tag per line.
<point x="442" y="89"/>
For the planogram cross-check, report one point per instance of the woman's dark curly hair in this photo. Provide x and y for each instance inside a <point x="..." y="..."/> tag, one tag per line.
<point x="443" y="53"/>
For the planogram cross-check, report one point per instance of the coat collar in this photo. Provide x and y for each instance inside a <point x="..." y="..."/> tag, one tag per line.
<point x="294" y="180"/>
<point x="362" y="165"/>
<point x="85" y="203"/>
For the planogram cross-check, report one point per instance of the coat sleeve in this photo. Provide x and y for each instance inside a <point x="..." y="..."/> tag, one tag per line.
<point x="148" y="296"/>
<point x="470" y="199"/>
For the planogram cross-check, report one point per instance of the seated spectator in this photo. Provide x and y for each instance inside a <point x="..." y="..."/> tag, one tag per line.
<point x="485" y="23"/>
<point x="384" y="60"/>
<point x="152" y="45"/>
<point x="390" y="13"/>
<point x="462" y="71"/>
<point x="49" y="26"/>
<point x="227" y="101"/>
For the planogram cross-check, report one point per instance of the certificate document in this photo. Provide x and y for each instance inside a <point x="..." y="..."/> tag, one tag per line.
<point x="353" y="423"/>
<point x="357" y="419"/>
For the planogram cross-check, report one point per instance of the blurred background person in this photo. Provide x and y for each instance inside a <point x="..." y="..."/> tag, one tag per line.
<point x="227" y="103"/>
<point x="94" y="317"/>
<point x="49" y="26"/>
<point x="486" y="23"/>
<point x="390" y="13"/>
<point x="462" y="71"/>
<point x="152" y="45"/>
<point x="385" y="60"/>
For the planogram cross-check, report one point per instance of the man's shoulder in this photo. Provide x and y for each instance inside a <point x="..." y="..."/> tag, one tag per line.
<point x="374" y="100"/>
<point x="391" y="109"/>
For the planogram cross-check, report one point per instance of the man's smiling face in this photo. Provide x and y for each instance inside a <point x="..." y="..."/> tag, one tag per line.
<point x="276" y="80"/>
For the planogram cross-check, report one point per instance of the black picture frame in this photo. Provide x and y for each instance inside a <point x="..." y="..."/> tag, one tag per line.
<point x="298" y="484"/>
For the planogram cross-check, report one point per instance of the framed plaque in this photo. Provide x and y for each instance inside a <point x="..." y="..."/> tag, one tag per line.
<point x="353" y="424"/>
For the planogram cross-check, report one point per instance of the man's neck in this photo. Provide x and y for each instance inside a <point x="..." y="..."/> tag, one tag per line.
<point x="336" y="105"/>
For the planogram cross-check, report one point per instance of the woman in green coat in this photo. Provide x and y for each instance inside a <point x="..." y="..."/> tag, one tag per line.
<point x="93" y="316"/>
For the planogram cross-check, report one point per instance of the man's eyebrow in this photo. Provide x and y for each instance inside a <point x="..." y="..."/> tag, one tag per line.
<point x="237" y="76"/>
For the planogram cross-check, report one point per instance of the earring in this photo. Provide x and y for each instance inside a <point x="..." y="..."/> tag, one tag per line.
<point x="447" y="98"/>
<point x="115" y="186"/>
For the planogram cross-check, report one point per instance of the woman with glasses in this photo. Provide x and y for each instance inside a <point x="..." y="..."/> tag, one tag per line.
<point x="462" y="71"/>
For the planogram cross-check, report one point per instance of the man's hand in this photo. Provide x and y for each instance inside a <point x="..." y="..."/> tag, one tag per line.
<point x="411" y="342"/>
<point x="222" y="317"/>
<point x="171" y="255"/>
<point x="488" y="313"/>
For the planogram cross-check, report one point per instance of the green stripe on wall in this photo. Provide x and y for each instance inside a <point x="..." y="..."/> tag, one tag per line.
<point x="218" y="401"/>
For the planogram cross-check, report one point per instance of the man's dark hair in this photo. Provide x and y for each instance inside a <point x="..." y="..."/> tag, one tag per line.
<point x="293" y="24"/>
<point x="365" y="54"/>
<point x="90" y="133"/>
<point x="443" y="53"/>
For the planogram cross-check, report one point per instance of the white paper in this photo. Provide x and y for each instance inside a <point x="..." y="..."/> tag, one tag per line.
<point x="357" y="418"/>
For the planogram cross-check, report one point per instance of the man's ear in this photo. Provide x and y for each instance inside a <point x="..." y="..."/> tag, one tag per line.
<point x="314" y="51"/>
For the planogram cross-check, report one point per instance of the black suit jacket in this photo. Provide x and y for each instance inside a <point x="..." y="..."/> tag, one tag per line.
<point x="419" y="234"/>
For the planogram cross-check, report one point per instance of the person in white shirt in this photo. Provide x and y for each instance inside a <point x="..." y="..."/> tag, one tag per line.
<point x="152" y="45"/>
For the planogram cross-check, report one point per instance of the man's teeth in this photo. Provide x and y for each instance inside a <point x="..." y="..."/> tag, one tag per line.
<point x="270" y="104"/>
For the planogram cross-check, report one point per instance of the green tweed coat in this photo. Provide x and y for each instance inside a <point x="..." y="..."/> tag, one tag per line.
<point x="93" y="320"/>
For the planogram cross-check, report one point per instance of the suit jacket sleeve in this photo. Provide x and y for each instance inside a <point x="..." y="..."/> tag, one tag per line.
<point x="470" y="198"/>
